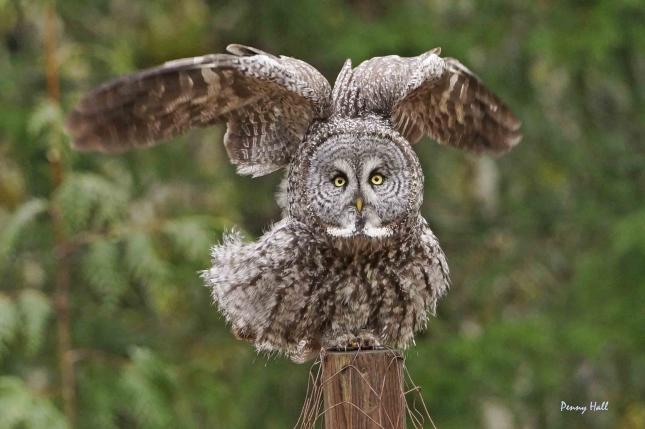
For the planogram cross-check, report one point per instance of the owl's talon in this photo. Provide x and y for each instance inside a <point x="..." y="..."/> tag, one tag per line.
<point x="361" y="341"/>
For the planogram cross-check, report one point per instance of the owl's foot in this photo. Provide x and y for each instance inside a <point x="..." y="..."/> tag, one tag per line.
<point x="364" y="340"/>
<point x="306" y="350"/>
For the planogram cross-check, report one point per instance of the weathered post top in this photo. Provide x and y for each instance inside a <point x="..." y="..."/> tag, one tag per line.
<point x="363" y="390"/>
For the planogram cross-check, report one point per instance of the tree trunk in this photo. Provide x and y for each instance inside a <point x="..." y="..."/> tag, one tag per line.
<point x="363" y="390"/>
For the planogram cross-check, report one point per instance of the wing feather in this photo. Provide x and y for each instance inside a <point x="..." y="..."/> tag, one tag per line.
<point x="268" y="103"/>
<point x="439" y="97"/>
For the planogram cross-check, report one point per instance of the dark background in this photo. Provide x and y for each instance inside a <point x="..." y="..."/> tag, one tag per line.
<point x="546" y="245"/>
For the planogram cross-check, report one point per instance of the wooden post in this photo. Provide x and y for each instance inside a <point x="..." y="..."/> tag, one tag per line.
<point x="363" y="389"/>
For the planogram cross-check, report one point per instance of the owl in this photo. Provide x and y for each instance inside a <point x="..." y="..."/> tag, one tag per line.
<point x="352" y="263"/>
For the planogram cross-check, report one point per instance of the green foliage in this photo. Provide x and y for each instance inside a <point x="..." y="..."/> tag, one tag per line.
<point x="149" y="387"/>
<point x="34" y="309"/>
<point x="546" y="245"/>
<point x="143" y="260"/>
<point x="89" y="201"/>
<point x="8" y="323"/>
<point x="103" y="270"/>
<point x="23" y="317"/>
<point x="22" y="408"/>
<point x="16" y="223"/>
<point x="190" y="235"/>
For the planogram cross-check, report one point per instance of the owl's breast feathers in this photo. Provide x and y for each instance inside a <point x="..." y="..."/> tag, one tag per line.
<point x="295" y="292"/>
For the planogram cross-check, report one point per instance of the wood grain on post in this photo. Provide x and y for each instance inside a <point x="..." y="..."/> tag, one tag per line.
<point x="363" y="390"/>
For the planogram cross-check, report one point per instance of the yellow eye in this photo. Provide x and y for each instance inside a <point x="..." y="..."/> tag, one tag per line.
<point x="376" y="179"/>
<point x="339" y="181"/>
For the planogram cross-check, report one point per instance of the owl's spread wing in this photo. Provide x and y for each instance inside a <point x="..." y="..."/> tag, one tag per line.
<point x="268" y="103"/>
<point x="439" y="97"/>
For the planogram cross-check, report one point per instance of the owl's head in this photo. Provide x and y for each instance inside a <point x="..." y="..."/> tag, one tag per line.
<point x="359" y="179"/>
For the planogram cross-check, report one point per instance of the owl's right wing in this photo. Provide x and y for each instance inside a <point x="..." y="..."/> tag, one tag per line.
<point x="438" y="97"/>
<point x="267" y="102"/>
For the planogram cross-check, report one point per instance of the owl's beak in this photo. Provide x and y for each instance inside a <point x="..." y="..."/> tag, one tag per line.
<point x="359" y="204"/>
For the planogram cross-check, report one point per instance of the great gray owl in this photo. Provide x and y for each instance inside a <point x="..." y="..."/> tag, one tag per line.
<point x="352" y="263"/>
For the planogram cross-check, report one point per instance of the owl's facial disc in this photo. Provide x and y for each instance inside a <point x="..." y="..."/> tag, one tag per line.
<point x="360" y="186"/>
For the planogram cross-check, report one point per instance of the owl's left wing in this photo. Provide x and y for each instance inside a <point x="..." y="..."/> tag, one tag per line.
<point x="439" y="97"/>
<point x="267" y="102"/>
